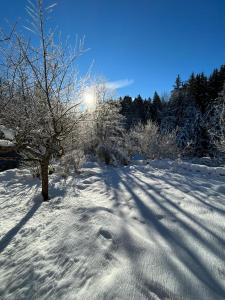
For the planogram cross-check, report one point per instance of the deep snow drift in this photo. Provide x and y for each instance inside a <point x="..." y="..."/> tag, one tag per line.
<point x="153" y="231"/>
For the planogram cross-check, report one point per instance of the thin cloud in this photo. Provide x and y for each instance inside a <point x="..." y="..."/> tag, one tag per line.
<point x="114" y="85"/>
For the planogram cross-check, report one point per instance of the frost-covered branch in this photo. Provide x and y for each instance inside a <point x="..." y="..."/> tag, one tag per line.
<point x="40" y="91"/>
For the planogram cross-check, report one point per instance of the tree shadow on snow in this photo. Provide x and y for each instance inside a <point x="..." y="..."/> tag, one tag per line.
<point x="182" y="242"/>
<point x="5" y="241"/>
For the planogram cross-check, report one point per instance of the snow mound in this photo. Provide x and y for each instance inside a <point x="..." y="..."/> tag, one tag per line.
<point x="188" y="166"/>
<point x="5" y="143"/>
<point x="9" y="134"/>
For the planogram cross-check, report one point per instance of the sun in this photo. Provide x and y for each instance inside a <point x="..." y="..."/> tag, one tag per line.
<point x="89" y="98"/>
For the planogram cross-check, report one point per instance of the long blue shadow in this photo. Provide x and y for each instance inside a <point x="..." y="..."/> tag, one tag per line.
<point x="5" y="241"/>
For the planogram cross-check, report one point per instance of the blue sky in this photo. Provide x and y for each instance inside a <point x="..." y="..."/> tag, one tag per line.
<point x="144" y="43"/>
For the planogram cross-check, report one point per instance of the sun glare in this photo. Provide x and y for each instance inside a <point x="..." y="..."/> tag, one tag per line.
<point x="89" y="98"/>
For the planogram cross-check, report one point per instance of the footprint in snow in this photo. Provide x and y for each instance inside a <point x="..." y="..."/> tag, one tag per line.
<point x="90" y="180"/>
<point x="105" y="234"/>
<point x="84" y="217"/>
<point x="107" y="245"/>
<point x="81" y="187"/>
<point x="106" y="239"/>
<point x="138" y="219"/>
<point x="87" y="181"/>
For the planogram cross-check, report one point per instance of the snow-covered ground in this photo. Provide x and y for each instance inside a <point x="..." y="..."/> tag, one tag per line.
<point x="153" y="231"/>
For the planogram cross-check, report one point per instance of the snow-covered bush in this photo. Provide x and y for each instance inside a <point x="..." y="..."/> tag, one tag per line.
<point x="120" y="157"/>
<point x="148" y="141"/>
<point x="168" y="145"/>
<point x="109" y="133"/>
<point x="104" y="154"/>
<point x="72" y="161"/>
<point x="33" y="168"/>
<point x="214" y="121"/>
<point x="112" y="155"/>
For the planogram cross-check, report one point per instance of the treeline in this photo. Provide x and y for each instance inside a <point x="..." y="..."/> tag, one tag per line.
<point x="190" y="109"/>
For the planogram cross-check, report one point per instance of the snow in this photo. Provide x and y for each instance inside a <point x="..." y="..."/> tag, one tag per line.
<point x="5" y="143"/>
<point x="145" y="231"/>
<point x="8" y="133"/>
<point x="203" y="169"/>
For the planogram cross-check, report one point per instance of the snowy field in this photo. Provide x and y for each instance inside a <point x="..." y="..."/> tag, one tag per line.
<point x="153" y="231"/>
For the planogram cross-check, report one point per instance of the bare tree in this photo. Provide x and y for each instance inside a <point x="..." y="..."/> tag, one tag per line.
<point x="6" y="37"/>
<point x="43" y="91"/>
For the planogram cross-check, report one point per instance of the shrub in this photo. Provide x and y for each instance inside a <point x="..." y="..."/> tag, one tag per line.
<point x="72" y="160"/>
<point x="148" y="141"/>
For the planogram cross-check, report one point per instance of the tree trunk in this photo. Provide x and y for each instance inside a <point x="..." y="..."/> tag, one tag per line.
<point x="44" y="179"/>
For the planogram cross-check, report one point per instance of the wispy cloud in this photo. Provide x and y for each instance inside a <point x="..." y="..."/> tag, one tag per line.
<point x="114" y="85"/>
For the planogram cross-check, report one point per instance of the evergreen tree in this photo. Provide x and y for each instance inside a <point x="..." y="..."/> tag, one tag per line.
<point x="126" y="110"/>
<point x="189" y="104"/>
<point x="215" y="83"/>
<point x="157" y="101"/>
<point x="178" y="83"/>
<point x="138" y="110"/>
<point x="157" y="108"/>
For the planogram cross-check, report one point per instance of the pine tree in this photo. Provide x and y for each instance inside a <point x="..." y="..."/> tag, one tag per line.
<point x="178" y="83"/>
<point x="157" y="101"/>
<point x="138" y="110"/>
<point x="126" y="110"/>
<point x="157" y="108"/>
